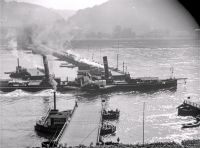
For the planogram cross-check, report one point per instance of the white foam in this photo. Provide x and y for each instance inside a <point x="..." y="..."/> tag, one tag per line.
<point x="78" y="58"/>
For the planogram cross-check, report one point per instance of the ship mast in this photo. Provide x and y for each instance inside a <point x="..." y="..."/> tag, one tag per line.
<point x="123" y="66"/>
<point x="143" y="124"/>
<point x="118" y="54"/>
<point x="172" y="72"/>
<point x="117" y="60"/>
<point x="54" y="98"/>
<point x="17" y="62"/>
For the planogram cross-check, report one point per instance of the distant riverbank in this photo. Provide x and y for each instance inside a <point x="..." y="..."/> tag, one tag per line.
<point x="132" y="43"/>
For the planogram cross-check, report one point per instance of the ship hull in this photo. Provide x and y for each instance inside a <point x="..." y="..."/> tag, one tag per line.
<point x="164" y="84"/>
<point x="48" y="129"/>
<point x="170" y="84"/>
<point x="24" y="88"/>
<point x="148" y="86"/>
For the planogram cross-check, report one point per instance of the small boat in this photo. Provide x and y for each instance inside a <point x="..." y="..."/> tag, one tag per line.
<point x="188" y="108"/>
<point x="191" y="125"/>
<point x="107" y="129"/>
<point x="110" y="114"/>
<point x="26" y="74"/>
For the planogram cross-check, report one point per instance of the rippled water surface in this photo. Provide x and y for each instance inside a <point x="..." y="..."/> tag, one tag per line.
<point x="19" y="110"/>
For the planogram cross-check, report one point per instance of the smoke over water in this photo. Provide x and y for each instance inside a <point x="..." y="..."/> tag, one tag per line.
<point x="80" y="59"/>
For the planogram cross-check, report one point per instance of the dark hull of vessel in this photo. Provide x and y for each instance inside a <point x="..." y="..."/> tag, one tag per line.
<point x="170" y="84"/>
<point x="24" y="88"/>
<point x="165" y="84"/>
<point x="191" y="125"/>
<point x="48" y="129"/>
<point x="36" y="88"/>
<point x="63" y="88"/>
<point x="186" y="110"/>
<point x="148" y="86"/>
<point x="111" y="130"/>
<point x="110" y="116"/>
<point x="53" y="122"/>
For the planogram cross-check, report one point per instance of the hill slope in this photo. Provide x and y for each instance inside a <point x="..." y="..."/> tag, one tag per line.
<point x="33" y="23"/>
<point x="139" y="15"/>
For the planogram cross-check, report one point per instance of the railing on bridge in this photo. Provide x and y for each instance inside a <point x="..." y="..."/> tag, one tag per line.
<point x="64" y="126"/>
<point x="99" y="130"/>
<point x="84" y="126"/>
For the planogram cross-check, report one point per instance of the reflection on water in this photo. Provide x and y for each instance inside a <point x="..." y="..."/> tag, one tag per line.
<point x="20" y="110"/>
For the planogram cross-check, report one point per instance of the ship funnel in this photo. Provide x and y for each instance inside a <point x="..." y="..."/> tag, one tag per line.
<point x="54" y="98"/>
<point x="105" y="62"/>
<point x="46" y="67"/>
<point x="17" y="62"/>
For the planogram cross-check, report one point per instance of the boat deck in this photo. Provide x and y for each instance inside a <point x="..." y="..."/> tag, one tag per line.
<point x="84" y="126"/>
<point x="193" y="103"/>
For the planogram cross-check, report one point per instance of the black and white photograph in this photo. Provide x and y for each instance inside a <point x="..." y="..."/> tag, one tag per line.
<point x="99" y="74"/>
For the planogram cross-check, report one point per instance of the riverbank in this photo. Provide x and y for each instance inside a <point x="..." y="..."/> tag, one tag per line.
<point x="132" y="43"/>
<point x="184" y="144"/>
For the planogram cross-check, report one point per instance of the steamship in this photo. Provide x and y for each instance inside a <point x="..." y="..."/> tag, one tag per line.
<point x="89" y="78"/>
<point x="32" y="80"/>
<point x="123" y="81"/>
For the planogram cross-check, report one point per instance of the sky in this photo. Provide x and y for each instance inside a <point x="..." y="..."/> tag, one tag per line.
<point x="65" y="4"/>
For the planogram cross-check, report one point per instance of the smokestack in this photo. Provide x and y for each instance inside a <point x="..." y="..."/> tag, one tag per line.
<point x="54" y="97"/>
<point x="105" y="62"/>
<point x="46" y="67"/>
<point x="17" y="62"/>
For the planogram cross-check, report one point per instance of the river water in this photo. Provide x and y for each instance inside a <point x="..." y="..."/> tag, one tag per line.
<point x="19" y="110"/>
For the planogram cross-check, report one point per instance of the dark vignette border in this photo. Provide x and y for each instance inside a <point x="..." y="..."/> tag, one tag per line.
<point x="193" y="7"/>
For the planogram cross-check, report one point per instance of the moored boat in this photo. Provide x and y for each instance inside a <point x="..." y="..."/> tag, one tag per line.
<point x="110" y="114"/>
<point x="189" y="108"/>
<point x="191" y="125"/>
<point x="107" y="129"/>
<point x="53" y="121"/>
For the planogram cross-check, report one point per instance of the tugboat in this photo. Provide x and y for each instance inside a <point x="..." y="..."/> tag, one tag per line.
<point x="53" y="122"/>
<point x="107" y="129"/>
<point x="110" y="114"/>
<point x="26" y="74"/>
<point x="188" y="108"/>
<point x="34" y="82"/>
<point x="24" y="81"/>
<point x="194" y="124"/>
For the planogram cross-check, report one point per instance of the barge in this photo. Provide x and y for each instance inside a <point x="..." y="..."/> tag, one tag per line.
<point x="53" y="121"/>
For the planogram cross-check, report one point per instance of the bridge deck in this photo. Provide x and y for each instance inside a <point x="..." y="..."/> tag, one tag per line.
<point x="84" y="125"/>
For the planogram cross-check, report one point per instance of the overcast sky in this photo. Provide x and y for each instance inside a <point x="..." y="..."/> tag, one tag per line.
<point x="65" y="4"/>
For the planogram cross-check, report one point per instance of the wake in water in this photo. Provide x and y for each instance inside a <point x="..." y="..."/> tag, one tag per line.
<point x="43" y="93"/>
<point x="21" y="93"/>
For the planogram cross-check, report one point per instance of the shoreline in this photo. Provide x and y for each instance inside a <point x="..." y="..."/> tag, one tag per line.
<point x="195" y="143"/>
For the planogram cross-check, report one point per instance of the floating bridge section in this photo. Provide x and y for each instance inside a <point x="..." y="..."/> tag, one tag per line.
<point x="84" y="126"/>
